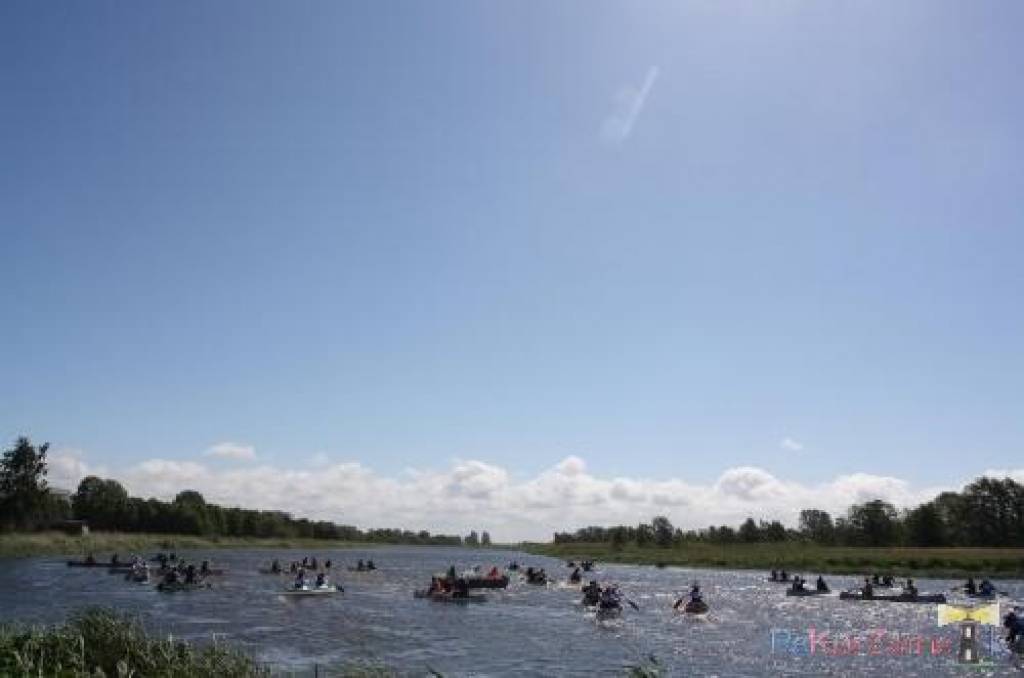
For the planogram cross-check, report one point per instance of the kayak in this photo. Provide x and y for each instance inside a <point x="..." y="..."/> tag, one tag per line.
<point x="901" y="598"/>
<point x="807" y="592"/>
<point x="487" y="582"/>
<point x="316" y="591"/>
<point x="439" y="597"/>
<point x="181" y="586"/>
<point x="696" y="607"/>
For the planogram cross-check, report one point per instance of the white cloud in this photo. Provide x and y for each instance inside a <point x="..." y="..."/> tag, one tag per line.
<point x="791" y="445"/>
<point x="629" y="102"/>
<point x="472" y="494"/>
<point x="228" y="450"/>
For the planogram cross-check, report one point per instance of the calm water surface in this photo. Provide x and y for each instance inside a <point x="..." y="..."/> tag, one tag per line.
<point x="752" y="630"/>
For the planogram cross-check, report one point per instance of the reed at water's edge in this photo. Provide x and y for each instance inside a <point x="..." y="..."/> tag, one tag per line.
<point x="102" y="640"/>
<point x="800" y="557"/>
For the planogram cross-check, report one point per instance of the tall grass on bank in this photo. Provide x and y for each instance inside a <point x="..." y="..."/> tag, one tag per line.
<point x="21" y="544"/>
<point x="101" y="642"/>
<point x="803" y="557"/>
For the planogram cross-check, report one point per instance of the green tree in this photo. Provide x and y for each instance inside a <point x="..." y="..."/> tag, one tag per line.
<point x="817" y="526"/>
<point x="663" y="530"/>
<point x="874" y="523"/>
<point x="748" y="531"/>
<point x="24" y="498"/>
<point x="102" y="503"/>
<point x="924" y="526"/>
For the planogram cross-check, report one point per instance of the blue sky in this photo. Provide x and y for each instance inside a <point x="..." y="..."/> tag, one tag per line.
<point x="661" y="238"/>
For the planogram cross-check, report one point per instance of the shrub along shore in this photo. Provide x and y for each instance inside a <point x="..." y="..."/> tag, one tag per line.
<point x="1005" y="563"/>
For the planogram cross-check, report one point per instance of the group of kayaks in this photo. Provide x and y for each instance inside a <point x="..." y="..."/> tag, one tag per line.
<point x="170" y="574"/>
<point x="866" y="593"/>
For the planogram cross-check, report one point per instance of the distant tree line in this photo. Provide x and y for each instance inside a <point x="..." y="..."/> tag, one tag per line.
<point x="988" y="512"/>
<point x="28" y="503"/>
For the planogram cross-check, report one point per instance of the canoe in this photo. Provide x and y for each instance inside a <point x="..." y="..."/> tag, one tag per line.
<point x="696" y="607"/>
<point x="321" y="591"/>
<point x="925" y="598"/>
<point x="181" y="586"/>
<point x="807" y="592"/>
<point x="449" y="598"/>
<point x="487" y="582"/>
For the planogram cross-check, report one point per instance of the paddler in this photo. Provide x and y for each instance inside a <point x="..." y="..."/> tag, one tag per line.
<point x="591" y="593"/>
<point x="775" y="575"/>
<point x="275" y="567"/>
<point x="986" y="588"/>
<point x="820" y="584"/>
<point x="300" y="579"/>
<point x="970" y="587"/>
<point x="370" y="565"/>
<point x="321" y="581"/>
<point x="909" y="589"/>
<point x="575" y="577"/>
<point x="868" y="591"/>
<point x="695" y="596"/>
<point x="798" y="583"/>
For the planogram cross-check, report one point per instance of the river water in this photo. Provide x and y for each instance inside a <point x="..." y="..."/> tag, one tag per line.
<point x="753" y="629"/>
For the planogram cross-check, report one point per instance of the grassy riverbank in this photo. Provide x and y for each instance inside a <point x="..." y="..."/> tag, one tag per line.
<point x="934" y="562"/>
<point x="19" y="544"/>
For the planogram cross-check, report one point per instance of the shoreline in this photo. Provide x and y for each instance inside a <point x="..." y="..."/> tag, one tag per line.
<point x="24" y="545"/>
<point x="938" y="562"/>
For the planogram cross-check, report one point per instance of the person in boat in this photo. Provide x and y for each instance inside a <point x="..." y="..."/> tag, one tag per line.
<point x="610" y="599"/>
<point x="204" y="569"/>
<point x="460" y="589"/>
<point x="275" y="567"/>
<point x="876" y="579"/>
<point x="171" y="577"/>
<point x="909" y="589"/>
<point x="300" y="579"/>
<point x="970" y="587"/>
<point x="90" y="559"/>
<point x="591" y="593"/>
<point x="493" y="573"/>
<point x="783" y="576"/>
<point x="312" y="563"/>
<point x="798" y="583"/>
<point x="694" y="595"/>
<point x="115" y="560"/>
<point x="190" y="575"/>
<point x="327" y="564"/>
<point x="986" y="588"/>
<point x="775" y="576"/>
<point x="1014" y="623"/>
<point x="360" y="566"/>
<point x="321" y="580"/>
<point x="576" y="577"/>
<point x="293" y="567"/>
<point x="820" y="585"/>
<point x="889" y="580"/>
<point x="868" y="591"/>
<point x="513" y="566"/>
<point x="370" y="565"/>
